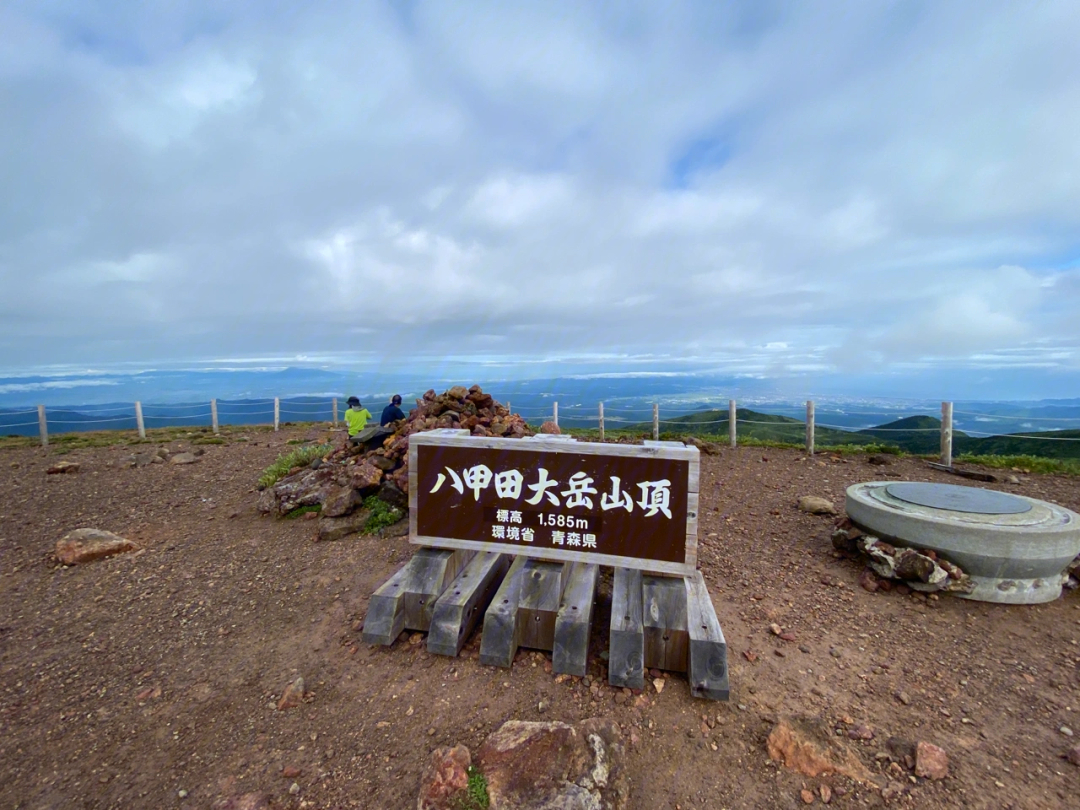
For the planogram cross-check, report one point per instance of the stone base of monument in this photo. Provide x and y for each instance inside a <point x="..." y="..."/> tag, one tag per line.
<point x="1015" y="549"/>
<point x="661" y="622"/>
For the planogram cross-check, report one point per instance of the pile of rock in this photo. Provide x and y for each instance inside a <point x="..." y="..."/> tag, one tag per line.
<point x="379" y="465"/>
<point x="921" y="570"/>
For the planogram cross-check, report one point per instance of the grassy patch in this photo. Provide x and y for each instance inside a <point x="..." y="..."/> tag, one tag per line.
<point x="300" y="457"/>
<point x="300" y="511"/>
<point x="475" y="795"/>
<point x="209" y="440"/>
<point x="1025" y="464"/>
<point x="382" y="514"/>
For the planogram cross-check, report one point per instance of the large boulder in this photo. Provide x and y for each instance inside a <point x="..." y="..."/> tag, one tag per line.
<point x="304" y="488"/>
<point x="340" y="500"/>
<point x="334" y="528"/>
<point x="443" y="785"/>
<point x="86" y="545"/>
<point x="365" y="477"/>
<point x="531" y="766"/>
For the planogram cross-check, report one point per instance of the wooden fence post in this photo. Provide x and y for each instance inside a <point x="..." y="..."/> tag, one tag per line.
<point x="656" y="421"/>
<point x="810" y="427"/>
<point x="946" y="433"/>
<point x="732" y="417"/>
<point x="277" y="413"/>
<point x="555" y="413"/>
<point x="333" y="404"/>
<point x="139" y="422"/>
<point x="213" y="415"/>
<point x="43" y="425"/>
<point x="601" y="421"/>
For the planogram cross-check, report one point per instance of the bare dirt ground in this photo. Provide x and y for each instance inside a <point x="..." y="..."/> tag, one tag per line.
<point x="130" y="680"/>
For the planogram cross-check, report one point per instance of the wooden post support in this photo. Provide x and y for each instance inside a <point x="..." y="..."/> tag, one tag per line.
<point x="810" y="427"/>
<point x="573" y="623"/>
<point x="732" y="418"/>
<point x="542" y="587"/>
<point x="706" y="669"/>
<point x="333" y="408"/>
<point x="601" y="421"/>
<point x="508" y="407"/>
<point x="664" y="621"/>
<point x="139" y="423"/>
<point x="656" y="421"/>
<point x="407" y="599"/>
<point x="213" y="415"/>
<point x="555" y="413"/>
<point x="43" y="425"/>
<point x="459" y="609"/>
<point x="277" y="413"/>
<point x="500" y="639"/>
<point x="946" y="433"/>
<point x="626" y="659"/>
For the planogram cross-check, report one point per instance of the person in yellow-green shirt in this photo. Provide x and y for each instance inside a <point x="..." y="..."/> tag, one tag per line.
<point x="356" y="417"/>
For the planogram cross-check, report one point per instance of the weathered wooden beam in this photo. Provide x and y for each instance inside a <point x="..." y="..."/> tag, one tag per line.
<point x="707" y="669"/>
<point x="500" y="638"/>
<point x="542" y="587"/>
<point x="459" y="609"/>
<point x="385" y="617"/>
<point x="573" y="623"/>
<point x="626" y="655"/>
<point x="406" y="600"/>
<point x="664" y="622"/>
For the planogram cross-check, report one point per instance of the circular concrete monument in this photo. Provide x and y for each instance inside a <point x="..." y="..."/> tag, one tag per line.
<point x="1015" y="549"/>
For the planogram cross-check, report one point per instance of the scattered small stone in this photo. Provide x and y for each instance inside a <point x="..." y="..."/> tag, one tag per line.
<point x="87" y="545"/>
<point x="816" y="506"/>
<point x="775" y="629"/>
<point x="931" y="762"/>
<point x="658" y="684"/>
<point x="184" y="458"/>
<point x="807" y="796"/>
<point x="904" y="698"/>
<point x="861" y="732"/>
<point x="294" y="788"/>
<point x="825" y="792"/>
<point x="62" y="467"/>
<point x="183" y="794"/>
<point x="1073" y="755"/>
<point x="290" y="772"/>
<point x="292" y="696"/>
<point x="1068" y="732"/>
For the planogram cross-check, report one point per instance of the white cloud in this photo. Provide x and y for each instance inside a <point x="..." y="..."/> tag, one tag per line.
<point x="765" y="188"/>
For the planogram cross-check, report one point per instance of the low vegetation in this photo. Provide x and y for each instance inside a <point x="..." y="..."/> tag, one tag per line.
<point x="475" y="795"/>
<point x="382" y="514"/>
<point x="300" y="457"/>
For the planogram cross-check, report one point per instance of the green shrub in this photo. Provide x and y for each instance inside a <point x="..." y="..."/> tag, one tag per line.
<point x="300" y="457"/>
<point x="475" y="796"/>
<point x="382" y="514"/>
<point x="300" y="511"/>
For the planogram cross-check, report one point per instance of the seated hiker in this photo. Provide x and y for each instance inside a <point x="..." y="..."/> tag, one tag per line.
<point x="392" y="412"/>
<point x="356" y="417"/>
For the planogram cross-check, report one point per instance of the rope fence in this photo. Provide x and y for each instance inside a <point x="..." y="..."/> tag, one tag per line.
<point x="260" y="411"/>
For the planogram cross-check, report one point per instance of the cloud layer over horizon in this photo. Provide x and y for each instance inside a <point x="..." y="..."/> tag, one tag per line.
<point x="846" y="189"/>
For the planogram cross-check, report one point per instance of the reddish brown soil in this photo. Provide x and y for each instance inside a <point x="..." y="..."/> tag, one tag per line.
<point x="128" y="680"/>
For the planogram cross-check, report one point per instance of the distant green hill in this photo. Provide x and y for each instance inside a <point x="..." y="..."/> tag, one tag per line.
<point x="913" y="434"/>
<point x="752" y="425"/>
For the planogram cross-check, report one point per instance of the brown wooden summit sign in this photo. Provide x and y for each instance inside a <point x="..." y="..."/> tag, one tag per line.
<point x="557" y="499"/>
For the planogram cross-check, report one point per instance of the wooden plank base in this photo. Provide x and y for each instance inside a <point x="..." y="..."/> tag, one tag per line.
<point x="664" y="622"/>
<point x="626" y="654"/>
<point x="570" y="653"/>
<point x="464" y="602"/>
<point x="707" y="668"/>
<point x="407" y="599"/>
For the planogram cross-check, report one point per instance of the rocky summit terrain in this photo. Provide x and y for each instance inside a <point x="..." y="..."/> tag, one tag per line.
<point x="216" y="660"/>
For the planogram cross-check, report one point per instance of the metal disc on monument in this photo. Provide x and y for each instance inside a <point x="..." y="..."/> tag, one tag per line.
<point x="972" y="500"/>
<point x="1014" y="548"/>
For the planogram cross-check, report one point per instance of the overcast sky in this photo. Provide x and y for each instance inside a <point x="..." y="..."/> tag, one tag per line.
<point x="798" y="187"/>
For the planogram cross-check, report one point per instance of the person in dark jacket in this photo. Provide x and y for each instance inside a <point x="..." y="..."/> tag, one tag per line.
<point x="392" y="412"/>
